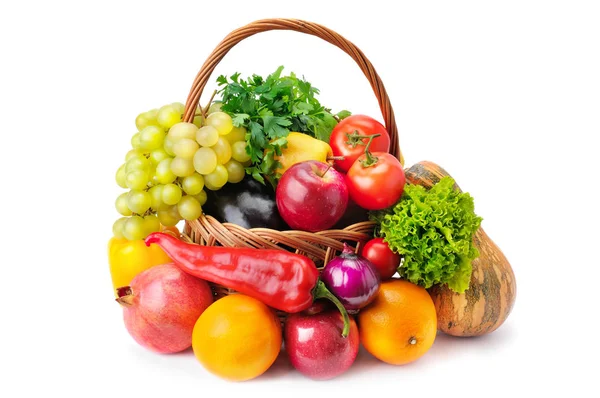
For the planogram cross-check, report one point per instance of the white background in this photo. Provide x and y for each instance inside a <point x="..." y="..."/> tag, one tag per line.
<point x="504" y="95"/>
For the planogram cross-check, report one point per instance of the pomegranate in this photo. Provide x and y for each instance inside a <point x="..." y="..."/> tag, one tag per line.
<point x="161" y="307"/>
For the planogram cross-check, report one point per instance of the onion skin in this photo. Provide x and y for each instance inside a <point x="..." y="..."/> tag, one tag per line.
<point x="352" y="278"/>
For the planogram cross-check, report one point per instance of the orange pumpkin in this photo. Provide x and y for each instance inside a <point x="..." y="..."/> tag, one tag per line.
<point x="492" y="291"/>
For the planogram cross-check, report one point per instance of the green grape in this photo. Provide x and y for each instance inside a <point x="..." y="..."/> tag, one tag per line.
<point x="238" y="151"/>
<point x="182" y="167"/>
<point x="118" y="227"/>
<point x="189" y="208"/>
<point x="120" y="176"/>
<point x="209" y="185"/>
<point x="193" y="184"/>
<point x="201" y="197"/>
<point x="235" y="171"/>
<point x="135" y="141"/>
<point x="151" y="224"/>
<point x="171" y="194"/>
<point x="168" y="145"/>
<point x="152" y="180"/>
<point x="179" y="107"/>
<point x="132" y="153"/>
<point x="134" y="228"/>
<point x="168" y="116"/>
<point x="185" y="148"/>
<point x="198" y="118"/>
<point x="163" y="174"/>
<point x="137" y="162"/>
<point x="215" y="180"/>
<point x="146" y="119"/>
<point x="183" y="130"/>
<point x="157" y="203"/>
<point x="136" y="179"/>
<point x="139" y="201"/>
<point x="215" y="107"/>
<point x="169" y="217"/>
<point x="152" y="137"/>
<point x="205" y="160"/>
<point x="236" y="134"/>
<point x="157" y="155"/>
<point x="221" y="121"/>
<point x="207" y="136"/>
<point x="122" y="205"/>
<point x="223" y="150"/>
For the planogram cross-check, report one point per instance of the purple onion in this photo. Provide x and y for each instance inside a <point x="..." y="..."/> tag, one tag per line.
<point x="351" y="278"/>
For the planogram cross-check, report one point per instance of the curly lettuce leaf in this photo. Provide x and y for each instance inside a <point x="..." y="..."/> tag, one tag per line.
<point x="433" y="229"/>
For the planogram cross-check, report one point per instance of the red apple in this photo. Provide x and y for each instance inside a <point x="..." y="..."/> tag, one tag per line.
<point x="315" y="345"/>
<point x="311" y="196"/>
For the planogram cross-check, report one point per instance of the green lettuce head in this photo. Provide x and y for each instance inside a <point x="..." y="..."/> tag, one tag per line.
<point x="433" y="230"/>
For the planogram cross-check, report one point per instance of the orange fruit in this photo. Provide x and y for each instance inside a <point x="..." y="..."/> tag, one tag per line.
<point x="237" y="338"/>
<point x="400" y="325"/>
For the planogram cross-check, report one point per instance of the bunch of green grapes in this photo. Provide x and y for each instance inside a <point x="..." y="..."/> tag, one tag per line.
<point x="171" y="163"/>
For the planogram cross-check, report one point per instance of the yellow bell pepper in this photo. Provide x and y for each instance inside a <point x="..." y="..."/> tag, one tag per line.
<point x="301" y="147"/>
<point x="127" y="258"/>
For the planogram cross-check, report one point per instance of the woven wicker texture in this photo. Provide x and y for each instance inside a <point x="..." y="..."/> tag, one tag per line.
<point x="320" y="246"/>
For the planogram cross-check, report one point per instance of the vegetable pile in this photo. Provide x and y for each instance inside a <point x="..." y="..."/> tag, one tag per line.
<point x="268" y="156"/>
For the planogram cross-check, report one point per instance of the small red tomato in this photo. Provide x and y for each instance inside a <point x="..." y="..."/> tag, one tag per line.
<point x="346" y="139"/>
<point x="382" y="257"/>
<point x="378" y="185"/>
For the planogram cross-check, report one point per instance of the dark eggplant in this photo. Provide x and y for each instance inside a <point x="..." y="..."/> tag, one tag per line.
<point x="354" y="214"/>
<point x="248" y="204"/>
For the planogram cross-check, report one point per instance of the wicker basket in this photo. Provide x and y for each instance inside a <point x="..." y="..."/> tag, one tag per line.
<point x="321" y="246"/>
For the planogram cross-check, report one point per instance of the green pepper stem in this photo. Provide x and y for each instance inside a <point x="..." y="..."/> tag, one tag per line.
<point x="321" y="291"/>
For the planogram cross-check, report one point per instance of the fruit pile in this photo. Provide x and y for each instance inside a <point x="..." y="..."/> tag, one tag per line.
<point x="269" y="155"/>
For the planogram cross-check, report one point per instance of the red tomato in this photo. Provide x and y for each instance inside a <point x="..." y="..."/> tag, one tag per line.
<point x="377" y="186"/>
<point x="382" y="257"/>
<point x="343" y="143"/>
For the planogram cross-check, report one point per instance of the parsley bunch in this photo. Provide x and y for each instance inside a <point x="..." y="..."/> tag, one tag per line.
<point x="269" y="109"/>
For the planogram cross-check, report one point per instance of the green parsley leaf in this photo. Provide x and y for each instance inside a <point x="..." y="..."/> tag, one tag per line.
<point x="343" y="114"/>
<point x="239" y="119"/>
<point x="275" y="126"/>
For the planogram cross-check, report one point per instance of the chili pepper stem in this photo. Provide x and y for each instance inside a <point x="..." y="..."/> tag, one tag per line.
<point x="321" y="291"/>
<point x="124" y="296"/>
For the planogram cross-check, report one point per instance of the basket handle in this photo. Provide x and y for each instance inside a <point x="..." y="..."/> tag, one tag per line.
<point x="304" y="27"/>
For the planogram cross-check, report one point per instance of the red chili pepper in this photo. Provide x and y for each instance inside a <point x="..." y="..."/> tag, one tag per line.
<point x="286" y="281"/>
